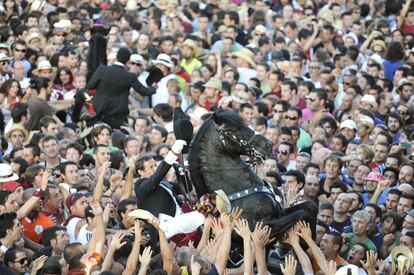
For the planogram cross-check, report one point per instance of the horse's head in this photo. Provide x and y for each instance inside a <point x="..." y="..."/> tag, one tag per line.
<point x="238" y="138"/>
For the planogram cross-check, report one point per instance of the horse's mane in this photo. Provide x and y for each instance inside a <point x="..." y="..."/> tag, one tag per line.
<point x="227" y="117"/>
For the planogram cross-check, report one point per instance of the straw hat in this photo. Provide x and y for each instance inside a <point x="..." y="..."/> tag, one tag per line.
<point x="145" y="215"/>
<point x="44" y="65"/>
<point x="380" y="43"/>
<point x="222" y="202"/>
<point x="37" y="5"/>
<point x="402" y="260"/>
<point x="192" y="45"/>
<point x="4" y="57"/>
<point x="214" y="83"/>
<point x="17" y="127"/>
<point x="35" y="36"/>
<point x="246" y="55"/>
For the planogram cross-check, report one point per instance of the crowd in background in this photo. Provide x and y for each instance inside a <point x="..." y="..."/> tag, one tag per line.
<point x="330" y="83"/>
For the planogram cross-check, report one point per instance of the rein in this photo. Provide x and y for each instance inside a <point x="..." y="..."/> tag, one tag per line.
<point x="251" y="151"/>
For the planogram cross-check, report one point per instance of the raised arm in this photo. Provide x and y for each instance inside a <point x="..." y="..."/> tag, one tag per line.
<point x="98" y="192"/>
<point x="223" y="253"/>
<point x="116" y="243"/>
<point x="242" y="228"/>
<point x="166" y="250"/>
<point x="381" y="186"/>
<point x="133" y="257"/>
<point x="28" y="206"/>
<point x="293" y="240"/>
<point x="403" y="13"/>
<point x="98" y="238"/>
<point x="260" y="236"/>
<point x="306" y="234"/>
<point x="129" y="184"/>
<point x="206" y="233"/>
<point x="145" y="260"/>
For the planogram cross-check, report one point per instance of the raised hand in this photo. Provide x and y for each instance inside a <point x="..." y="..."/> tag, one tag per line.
<point x="178" y="146"/>
<point x="293" y="236"/>
<point x="96" y="207"/>
<point x="38" y="263"/>
<point x="242" y="228"/>
<point x="115" y="181"/>
<point x="217" y="228"/>
<point x="195" y="267"/>
<point x="289" y="267"/>
<point x="369" y="264"/>
<point x="146" y="255"/>
<point x="45" y="179"/>
<point x="305" y="231"/>
<point x="226" y="220"/>
<point x="116" y="242"/>
<point x="330" y="268"/>
<point x="236" y="213"/>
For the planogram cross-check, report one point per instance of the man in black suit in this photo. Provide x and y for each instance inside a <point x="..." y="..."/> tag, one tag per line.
<point x="159" y="196"/>
<point x="112" y="84"/>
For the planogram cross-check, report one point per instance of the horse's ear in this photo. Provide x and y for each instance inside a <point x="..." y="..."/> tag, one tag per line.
<point x="216" y="118"/>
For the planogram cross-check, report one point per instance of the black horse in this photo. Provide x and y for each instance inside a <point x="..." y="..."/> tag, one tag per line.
<point x="215" y="163"/>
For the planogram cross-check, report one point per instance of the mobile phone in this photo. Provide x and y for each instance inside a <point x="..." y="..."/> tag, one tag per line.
<point x="406" y="144"/>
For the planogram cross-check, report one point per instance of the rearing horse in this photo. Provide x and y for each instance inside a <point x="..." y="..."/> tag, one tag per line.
<point x="215" y="163"/>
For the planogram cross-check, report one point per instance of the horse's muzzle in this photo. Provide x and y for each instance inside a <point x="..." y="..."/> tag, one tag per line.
<point x="261" y="145"/>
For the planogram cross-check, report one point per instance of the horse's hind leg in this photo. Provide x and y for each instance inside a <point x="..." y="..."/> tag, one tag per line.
<point x="306" y="211"/>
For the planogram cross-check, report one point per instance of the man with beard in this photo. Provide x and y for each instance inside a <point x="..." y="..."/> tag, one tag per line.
<point x="393" y="197"/>
<point x="311" y="189"/>
<point x="385" y="105"/>
<point x="52" y="204"/>
<point x="357" y="201"/>
<point x="394" y="123"/>
<point x="381" y="152"/>
<point x="341" y="209"/>
<point x="361" y="173"/>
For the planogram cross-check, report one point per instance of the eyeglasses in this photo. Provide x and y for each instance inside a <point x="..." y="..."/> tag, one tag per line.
<point x="401" y="112"/>
<point x="22" y="261"/>
<point x="20" y="50"/>
<point x="282" y="152"/>
<point x="291" y="117"/>
<point x="310" y="99"/>
<point x="56" y="175"/>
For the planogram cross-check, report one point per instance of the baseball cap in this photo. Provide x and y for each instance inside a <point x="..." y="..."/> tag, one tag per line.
<point x="348" y="124"/>
<point x="11" y="186"/>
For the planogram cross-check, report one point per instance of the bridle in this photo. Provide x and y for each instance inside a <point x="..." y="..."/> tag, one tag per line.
<point x="225" y="134"/>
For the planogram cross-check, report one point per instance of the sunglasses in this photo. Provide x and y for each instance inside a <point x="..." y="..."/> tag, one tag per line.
<point x="291" y="117"/>
<point x="282" y="152"/>
<point x="22" y="261"/>
<point x="310" y="99"/>
<point x="135" y="64"/>
<point x="56" y="175"/>
<point x="20" y="50"/>
<point x="402" y="112"/>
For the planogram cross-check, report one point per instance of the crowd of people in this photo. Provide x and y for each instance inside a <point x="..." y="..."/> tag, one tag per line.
<point x="91" y="166"/>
